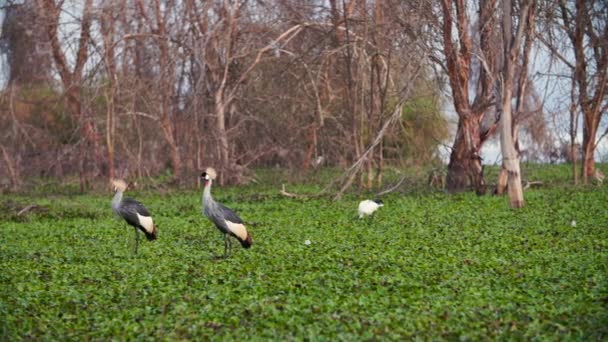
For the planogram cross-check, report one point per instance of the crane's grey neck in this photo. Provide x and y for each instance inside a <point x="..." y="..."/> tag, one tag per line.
<point x="116" y="200"/>
<point x="207" y="199"/>
<point x="209" y="205"/>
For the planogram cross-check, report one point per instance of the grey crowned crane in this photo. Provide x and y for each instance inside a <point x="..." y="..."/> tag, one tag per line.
<point x="368" y="207"/>
<point x="133" y="212"/>
<point x="226" y="220"/>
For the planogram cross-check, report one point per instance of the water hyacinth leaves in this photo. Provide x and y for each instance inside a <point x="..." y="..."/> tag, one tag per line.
<point x="433" y="267"/>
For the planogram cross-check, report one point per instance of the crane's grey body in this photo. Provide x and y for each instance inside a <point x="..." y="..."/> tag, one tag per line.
<point x="128" y="209"/>
<point x="135" y="214"/>
<point x="218" y="213"/>
<point x="226" y="220"/>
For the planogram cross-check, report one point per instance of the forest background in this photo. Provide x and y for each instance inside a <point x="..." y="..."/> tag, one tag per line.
<point x="94" y="90"/>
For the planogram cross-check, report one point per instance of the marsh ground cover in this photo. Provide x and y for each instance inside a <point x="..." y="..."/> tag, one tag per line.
<point x="428" y="265"/>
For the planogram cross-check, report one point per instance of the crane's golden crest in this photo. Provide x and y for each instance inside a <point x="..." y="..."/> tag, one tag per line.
<point x="119" y="184"/>
<point x="211" y="172"/>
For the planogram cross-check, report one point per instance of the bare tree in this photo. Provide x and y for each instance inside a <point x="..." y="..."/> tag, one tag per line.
<point x="587" y="28"/>
<point x="465" y="166"/>
<point x="159" y="33"/>
<point x="584" y="26"/>
<point x="72" y="78"/>
<point x="231" y="51"/>
<point x="178" y="85"/>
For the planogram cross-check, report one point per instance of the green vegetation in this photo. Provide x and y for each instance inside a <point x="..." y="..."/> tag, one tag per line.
<point x="422" y="128"/>
<point x="428" y="265"/>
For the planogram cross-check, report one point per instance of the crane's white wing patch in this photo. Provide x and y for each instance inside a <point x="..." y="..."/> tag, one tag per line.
<point x="146" y="222"/>
<point x="237" y="229"/>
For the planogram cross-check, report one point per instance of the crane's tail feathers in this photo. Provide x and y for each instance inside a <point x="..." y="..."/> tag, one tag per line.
<point x="247" y="242"/>
<point x="153" y="235"/>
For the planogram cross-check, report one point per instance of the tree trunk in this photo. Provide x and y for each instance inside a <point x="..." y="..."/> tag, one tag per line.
<point x="88" y="126"/>
<point x="176" y="160"/>
<point x="510" y="161"/>
<point x="573" y="131"/>
<point x="465" y="169"/>
<point x="311" y="146"/>
<point x="107" y="28"/>
<point x="222" y="135"/>
<point x="12" y="169"/>
<point x="510" y="158"/>
<point x="110" y="128"/>
<point x="503" y="178"/>
<point x="27" y="59"/>
<point x="588" y="165"/>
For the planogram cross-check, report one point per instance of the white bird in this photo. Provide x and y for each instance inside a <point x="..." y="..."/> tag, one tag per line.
<point x="133" y="212"/>
<point x="368" y="207"/>
<point x="226" y="220"/>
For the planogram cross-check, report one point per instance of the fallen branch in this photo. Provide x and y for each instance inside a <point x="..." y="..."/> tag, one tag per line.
<point x="26" y="209"/>
<point x="391" y="189"/>
<point x="289" y="194"/>
<point x="530" y="184"/>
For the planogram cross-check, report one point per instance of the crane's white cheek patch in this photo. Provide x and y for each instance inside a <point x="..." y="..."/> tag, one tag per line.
<point x="238" y="229"/>
<point x="146" y="222"/>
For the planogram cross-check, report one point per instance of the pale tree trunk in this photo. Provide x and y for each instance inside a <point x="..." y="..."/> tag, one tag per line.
<point x="510" y="171"/>
<point x="311" y="154"/>
<point x="110" y="127"/>
<point x="222" y="135"/>
<point x="522" y="82"/>
<point x="511" y="49"/>
<point x="573" y="131"/>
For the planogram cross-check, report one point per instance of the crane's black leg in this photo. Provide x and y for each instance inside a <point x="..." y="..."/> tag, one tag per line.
<point x="136" y="240"/>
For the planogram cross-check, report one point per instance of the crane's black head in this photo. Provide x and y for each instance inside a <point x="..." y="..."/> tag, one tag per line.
<point x="378" y="202"/>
